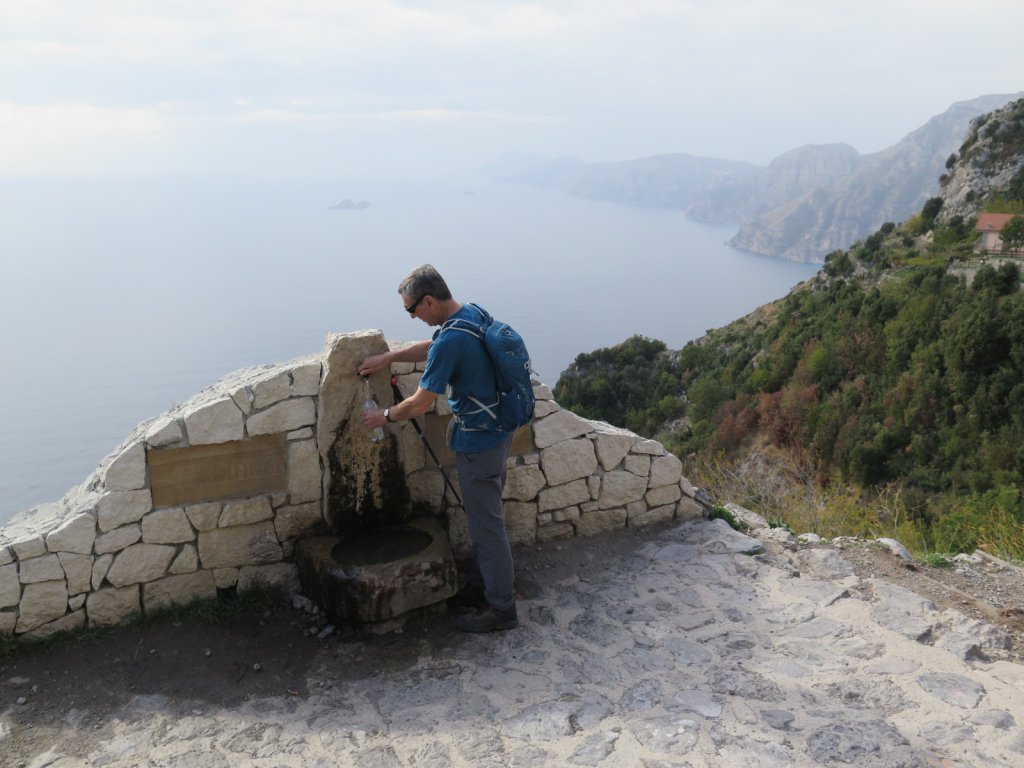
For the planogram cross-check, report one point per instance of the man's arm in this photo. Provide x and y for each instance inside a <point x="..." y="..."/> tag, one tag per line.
<point x="416" y="404"/>
<point x="414" y="353"/>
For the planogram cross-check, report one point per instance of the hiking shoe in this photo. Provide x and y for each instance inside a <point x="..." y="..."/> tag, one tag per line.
<point x="487" y="619"/>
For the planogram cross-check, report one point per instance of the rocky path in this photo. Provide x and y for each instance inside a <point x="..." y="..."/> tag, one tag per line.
<point x="676" y="647"/>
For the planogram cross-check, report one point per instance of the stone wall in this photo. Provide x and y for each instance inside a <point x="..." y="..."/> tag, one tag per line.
<point x="213" y="493"/>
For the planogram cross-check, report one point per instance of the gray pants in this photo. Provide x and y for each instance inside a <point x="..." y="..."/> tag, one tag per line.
<point x="482" y="479"/>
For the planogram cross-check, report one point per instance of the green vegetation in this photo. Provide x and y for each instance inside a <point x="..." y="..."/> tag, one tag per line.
<point x="721" y="513"/>
<point x="884" y="397"/>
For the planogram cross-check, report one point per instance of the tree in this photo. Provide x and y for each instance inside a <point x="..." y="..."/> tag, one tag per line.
<point x="1012" y="234"/>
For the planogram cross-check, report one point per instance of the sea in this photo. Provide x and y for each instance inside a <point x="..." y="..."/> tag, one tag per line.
<point x="124" y="296"/>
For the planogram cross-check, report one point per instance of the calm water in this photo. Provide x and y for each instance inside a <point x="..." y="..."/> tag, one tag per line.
<point x="124" y="297"/>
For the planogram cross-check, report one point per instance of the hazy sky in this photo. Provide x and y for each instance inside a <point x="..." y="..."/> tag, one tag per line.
<point x="332" y="87"/>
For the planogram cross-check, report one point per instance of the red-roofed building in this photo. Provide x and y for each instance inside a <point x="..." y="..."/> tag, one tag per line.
<point x="990" y="225"/>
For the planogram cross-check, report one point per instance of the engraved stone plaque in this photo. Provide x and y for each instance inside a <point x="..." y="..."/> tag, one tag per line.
<point x="220" y="471"/>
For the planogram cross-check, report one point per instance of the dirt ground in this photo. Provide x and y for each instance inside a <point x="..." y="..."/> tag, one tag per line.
<point x="81" y="681"/>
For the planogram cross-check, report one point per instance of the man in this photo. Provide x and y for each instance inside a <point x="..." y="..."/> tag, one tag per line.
<point x="458" y="365"/>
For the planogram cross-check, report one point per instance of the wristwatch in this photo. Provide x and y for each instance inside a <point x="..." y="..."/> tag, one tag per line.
<point x="387" y="416"/>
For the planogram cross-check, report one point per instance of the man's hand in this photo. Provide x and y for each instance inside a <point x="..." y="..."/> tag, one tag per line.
<point x="374" y="364"/>
<point x="374" y="418"/>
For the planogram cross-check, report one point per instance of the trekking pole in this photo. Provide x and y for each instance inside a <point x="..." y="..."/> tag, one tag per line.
<point x="423" y="437"/>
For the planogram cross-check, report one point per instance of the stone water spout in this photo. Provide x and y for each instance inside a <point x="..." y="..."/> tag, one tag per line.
<point x="380" y="558"/>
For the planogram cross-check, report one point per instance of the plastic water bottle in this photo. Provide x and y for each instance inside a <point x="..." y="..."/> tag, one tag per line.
<point x="371" y="405"/>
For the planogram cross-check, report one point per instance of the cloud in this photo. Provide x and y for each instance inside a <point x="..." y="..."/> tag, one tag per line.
<point x="81" y="138"/>
<point x="601" y="79"/>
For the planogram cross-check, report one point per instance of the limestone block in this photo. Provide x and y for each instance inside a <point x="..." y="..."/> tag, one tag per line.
<point x="648" y="447"/>
<point x="118" y="539"/>
<point x="554" y="532"/>
<point x="651" y="516"/>
<point x="118" y="508"/>
<point x="204" y="517"/>
<point x="99" y="570"/>
<point x="594" y="486"/>
<point x="666" y="494"/>
<point x="521" y="522"/>
<point x="76" y="535"/>
<point x="10" y="585"/>
<point x="568" y="460"/>
<point x="306" y="433"/>
<point x="426" y="488"/>
<point x="306" y="380"/>
<point x="140" y="563"/>
<point x="167" y="526"/>
<point x="283" y="576"/>
<point x="561" y="496"/>
<point x="288" y="415"/>
<point x="225" y="578"/>
<point x="546" y="518"/>
<point x="567" y="515"/>
<point x="638" y="465"/>
<point x="559" y="426"/>
<point x="111" y="606"/>
<point x="612" y="446"/>
<point x="665" y="470"/>
<point x="410" y="447"/>
<point x="601" y="521"/>
<point x="272" y="390"/>
<point x="408" y="383"/>
<point x="239" y="545"/>
<point x="6" y="555"/>
<point x="619" y="488"/>
<point x="30" y="546"/>
<point x="186" y="561"/>
<point x="293" y="521"/>
<point x="243" y="398"/>
<point x="77" y="571"/>
<point x="544" y="408"/>
<point x="178" y="590"/>
<point x="163" y="432"/>
<point x="530" y="458"/>
<point x="687" y="487"/>
<point x="542" y="392"/>
<point x="77" y="602"/>
<point x="245" y="512"/>
<point x="127" y="472"/>
<point x="36" y="569"/>
<point x="305" y="478"/>
<point x="524" y="483"/>
<point x="688" y="509"/>
<point x="41" y="603"/>
<point x="68" y="623"/>
<point x="522" y="441"/>
<point x="218" y="422"/>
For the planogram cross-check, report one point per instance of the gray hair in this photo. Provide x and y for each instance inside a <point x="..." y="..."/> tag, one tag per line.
<point x="424" y="281"/>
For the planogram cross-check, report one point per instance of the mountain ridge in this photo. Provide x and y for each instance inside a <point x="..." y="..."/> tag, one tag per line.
<point x="804" y="204"/>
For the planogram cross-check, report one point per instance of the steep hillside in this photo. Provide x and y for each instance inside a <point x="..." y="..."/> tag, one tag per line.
<point x="887" y="186"/>
<point x="888" y="386"/>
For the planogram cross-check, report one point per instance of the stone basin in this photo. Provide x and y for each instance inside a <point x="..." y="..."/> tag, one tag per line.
<point x="378" y="574"/>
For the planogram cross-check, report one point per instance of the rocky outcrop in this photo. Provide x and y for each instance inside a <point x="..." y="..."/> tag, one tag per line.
<point x="989" y="161"/>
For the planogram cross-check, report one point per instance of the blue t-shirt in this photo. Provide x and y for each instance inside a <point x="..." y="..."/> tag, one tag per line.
<point x="458" y="366"/>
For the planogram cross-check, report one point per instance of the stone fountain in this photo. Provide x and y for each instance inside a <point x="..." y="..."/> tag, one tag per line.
<point x="383" y="555"/>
